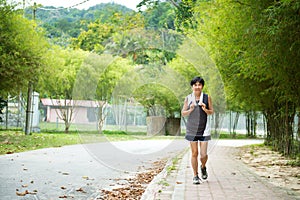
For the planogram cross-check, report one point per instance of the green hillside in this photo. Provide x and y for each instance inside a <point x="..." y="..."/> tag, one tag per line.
<point x="62" y="24"/>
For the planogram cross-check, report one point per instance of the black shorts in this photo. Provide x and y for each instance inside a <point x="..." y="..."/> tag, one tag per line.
<point x="195" y="138"/>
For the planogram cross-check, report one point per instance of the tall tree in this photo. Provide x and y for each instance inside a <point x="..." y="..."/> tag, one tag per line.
<point x="160" y="17"/>
<point x="59" y="82"/>
<point x="184" y="10"/>
<point x="22" y="51"/>
<point x="97" y="79"/>
<point x="254" y="46"/>
<point x="98" y="33"/>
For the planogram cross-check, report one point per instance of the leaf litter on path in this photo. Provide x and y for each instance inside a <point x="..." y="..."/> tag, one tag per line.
<point x="272" y="166"/>
<point x="134" y="187"/>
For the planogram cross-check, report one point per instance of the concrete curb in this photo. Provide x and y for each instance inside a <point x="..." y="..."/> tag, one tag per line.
<point x="178" y="193"/>
<point x="154" y="186"/>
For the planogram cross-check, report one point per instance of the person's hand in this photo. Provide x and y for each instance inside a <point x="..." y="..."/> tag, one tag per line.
<point x="192" y="107"/>
<point x="203" y="106"/>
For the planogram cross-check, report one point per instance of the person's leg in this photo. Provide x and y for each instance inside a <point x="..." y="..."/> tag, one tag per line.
<point x="203" y="158"/>
<point x="203" y="153"/>
<point x="194" y="158"/>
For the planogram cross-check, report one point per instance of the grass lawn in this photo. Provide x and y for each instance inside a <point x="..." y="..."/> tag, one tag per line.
<point x="13" y="141"/>
<point x="17" y="141"/>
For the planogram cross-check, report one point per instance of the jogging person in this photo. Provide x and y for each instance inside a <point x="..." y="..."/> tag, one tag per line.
<point x="197" y="106"/>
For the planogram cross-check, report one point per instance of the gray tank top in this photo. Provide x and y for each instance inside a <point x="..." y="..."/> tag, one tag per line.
<point x="197" y="120"/>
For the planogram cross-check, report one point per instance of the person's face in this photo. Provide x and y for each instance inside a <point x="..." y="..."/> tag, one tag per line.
<point x="197" y="87"/>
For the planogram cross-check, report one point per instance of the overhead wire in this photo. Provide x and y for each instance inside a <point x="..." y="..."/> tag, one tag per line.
<point x="63" y="8"/>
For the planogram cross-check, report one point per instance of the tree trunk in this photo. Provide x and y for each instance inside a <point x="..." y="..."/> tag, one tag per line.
<point x="120" y="114"/>
<point x="235" y="123"/>
<point x="217" y="123"/>
<point x="280" y="128"/>
<point x="290" y="111"/>
<point x="101" y="115"/>
<point x="247" y="123"/>
<point x="66" y="111"/>
<point x="29" y="110"/>
<point x="252" y="123"/>
<point x="67" y="127"/>
<point x="230" y="119"/>
<point x="298" y="128"/>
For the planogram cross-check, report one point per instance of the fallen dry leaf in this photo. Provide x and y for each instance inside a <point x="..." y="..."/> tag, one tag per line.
<point x="81" y="190"/>
<point x="26" y="192"/>
<point x="66" y="197"/>
<point x="295" y="189"/>
<point x="33" y="192"/>
<point x="87" y="178"/>
<point x="6" y="142"/>
<point x="22" y="193"/>
<point x="271" y="165"/>
<point x="135" y="186"/>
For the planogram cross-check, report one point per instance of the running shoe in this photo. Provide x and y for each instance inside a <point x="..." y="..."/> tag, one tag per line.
<point x="196" y="180"/>
<point x="204" y="173"/>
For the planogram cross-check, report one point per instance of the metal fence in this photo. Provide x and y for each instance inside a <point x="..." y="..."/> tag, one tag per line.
<point x="120" y="117"/>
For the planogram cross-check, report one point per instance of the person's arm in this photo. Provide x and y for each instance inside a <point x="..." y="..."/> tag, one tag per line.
<point x="210" y="109"/>
<point x="185" y="111"/>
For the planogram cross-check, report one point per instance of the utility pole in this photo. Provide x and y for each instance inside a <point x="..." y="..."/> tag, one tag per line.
<point x="23" y="8"/>
<point x="29" y="109"/>
<point x="29" y="96"/>
<point x="6" y="114"/>
<point x="34" y="10"/>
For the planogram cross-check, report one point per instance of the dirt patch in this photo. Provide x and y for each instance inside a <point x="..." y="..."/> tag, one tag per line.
<point x="272" y="166"/>
<point x="133" y="188"/>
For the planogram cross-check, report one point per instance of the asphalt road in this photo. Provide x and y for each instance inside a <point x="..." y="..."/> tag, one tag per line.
<point x="79" y="171"/>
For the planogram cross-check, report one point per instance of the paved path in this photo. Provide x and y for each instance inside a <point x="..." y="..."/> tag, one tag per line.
<point x="56" y="172"/>
<point x="228" y="178"/>
<point x="59" y="172"/>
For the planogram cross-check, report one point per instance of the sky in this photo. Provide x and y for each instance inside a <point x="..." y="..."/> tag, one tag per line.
<point x="87" y="3"/>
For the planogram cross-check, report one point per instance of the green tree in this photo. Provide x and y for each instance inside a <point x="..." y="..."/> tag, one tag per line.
<point x="63" y="24"/>
<point x="254" y="45"/>
<point x="98" y="33"/>
<point x="184" y="10"/>
<point x="59" y="82"/>
<point x="22" y="51"/>
<point x="161" y="16"/>
<point x="107" y="82"/>
<point x="94" y="38"/>
<point x="97" y="79"/>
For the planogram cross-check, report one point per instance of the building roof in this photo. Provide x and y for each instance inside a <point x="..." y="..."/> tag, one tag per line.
<point x="63" y="102"/>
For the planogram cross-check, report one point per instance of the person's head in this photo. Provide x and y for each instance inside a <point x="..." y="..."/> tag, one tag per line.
<point x="197" y="83"/>
<point x="197" y="79"/>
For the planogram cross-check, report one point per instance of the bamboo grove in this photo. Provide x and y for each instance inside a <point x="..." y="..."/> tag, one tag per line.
<point x="256" y="46"/>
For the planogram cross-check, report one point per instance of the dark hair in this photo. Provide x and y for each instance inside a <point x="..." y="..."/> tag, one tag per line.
<point x="197" y="79"/>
